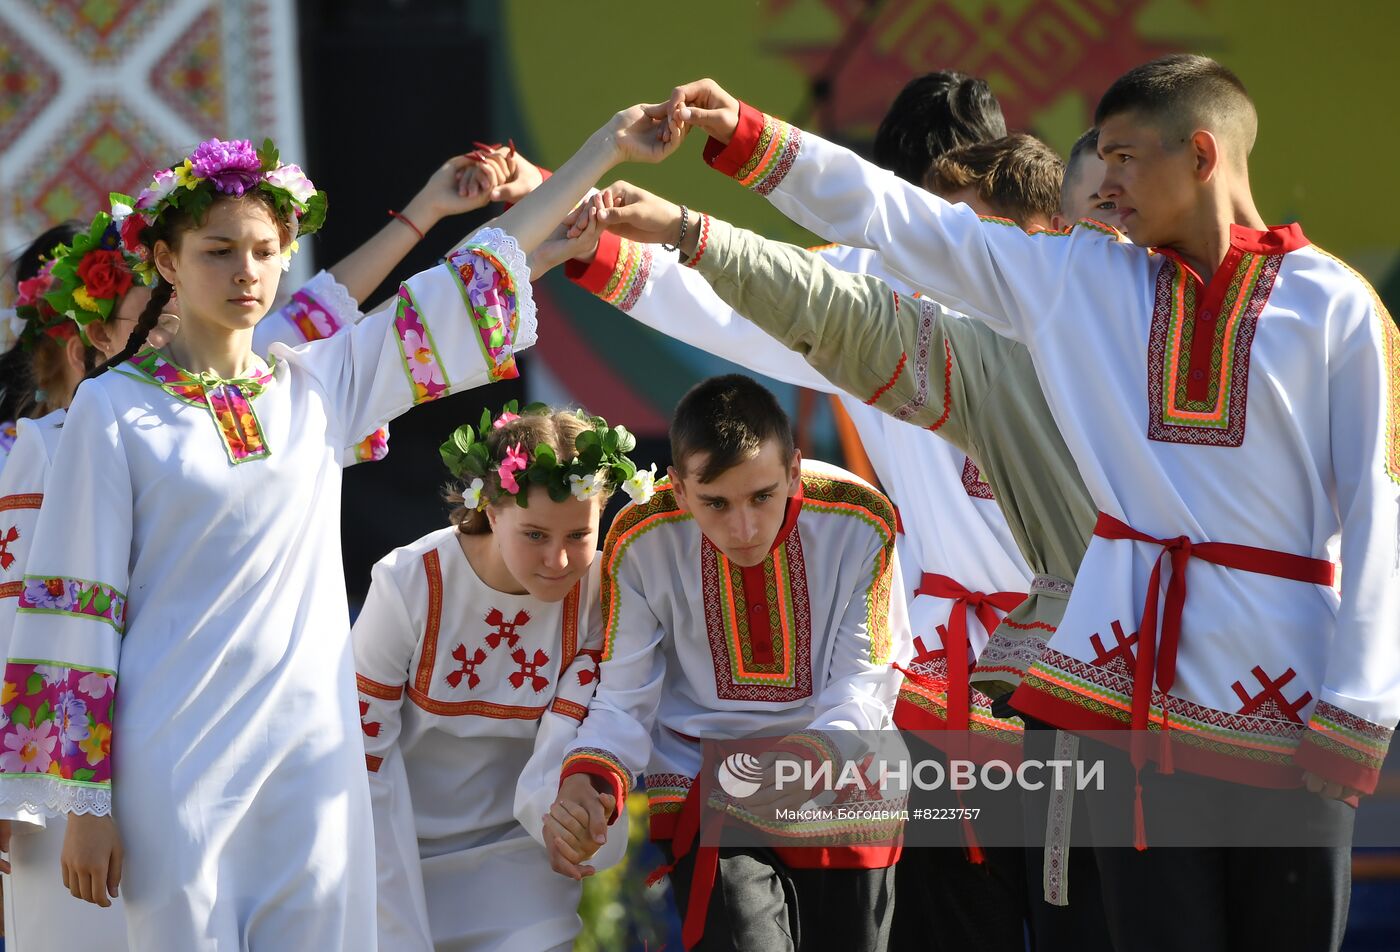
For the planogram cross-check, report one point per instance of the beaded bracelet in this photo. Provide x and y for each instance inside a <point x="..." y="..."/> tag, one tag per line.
<point x="404" y="218"/>
<point x="685" y="225"/>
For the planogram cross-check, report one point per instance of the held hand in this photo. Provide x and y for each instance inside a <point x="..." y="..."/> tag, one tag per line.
<point x="92" y="858"/>
<point x="523" y="179"/>
<point x="703" y="104"/>
<point x="5" y="831"/>
<point x="576" y="826"/>
<point x="769" y="798"/>
<point x="635" y="213"/>
<point x="576" y="237"/>
<point x="643" y="134"/>
<point x="1328" y="789"/>
<point x="461" y="184"/>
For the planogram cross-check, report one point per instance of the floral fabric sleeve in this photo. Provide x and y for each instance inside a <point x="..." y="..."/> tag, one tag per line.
<point x="60" y="681"/>
<point x="320" y="309"/>
<point x="452" y="327"/>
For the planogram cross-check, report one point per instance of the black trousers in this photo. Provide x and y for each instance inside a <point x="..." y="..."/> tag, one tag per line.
<point x="1080" y="926"/>
<point x="946" y="903"/>
<point x="1218" y="898"/>
<point x="760" y="904"/>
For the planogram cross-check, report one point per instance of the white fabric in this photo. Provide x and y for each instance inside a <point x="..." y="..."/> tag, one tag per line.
<point x="1311" y="467"/>
<point x="946" y="530"/>
<point x="446" y="779"/>
<point x="239" y="787"/>
<point x="660" y="678"/>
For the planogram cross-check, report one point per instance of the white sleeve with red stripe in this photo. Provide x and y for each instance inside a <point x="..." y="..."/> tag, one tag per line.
<point x="384" y="638"/>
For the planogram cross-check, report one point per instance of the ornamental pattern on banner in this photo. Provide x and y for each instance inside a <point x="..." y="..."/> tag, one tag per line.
<point x="95" y="96"/>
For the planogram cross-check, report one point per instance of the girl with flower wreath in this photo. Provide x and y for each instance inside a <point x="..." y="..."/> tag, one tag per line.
<point x="79" y="297"/>
<point x="476" y="655"/>
<point x="193" y="564"/>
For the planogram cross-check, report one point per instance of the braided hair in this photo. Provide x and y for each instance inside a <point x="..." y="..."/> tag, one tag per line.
<point x="160" y="297"/>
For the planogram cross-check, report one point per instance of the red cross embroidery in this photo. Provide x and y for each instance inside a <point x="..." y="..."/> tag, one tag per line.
<point x="468" y="667"/>
<point x="925" y="656"/>
<point x="529" y="669"/>
<point x="505" y="630"/>
<point x="371" y="728"/>
<point x="1272" y="691"/>
<point x="589" y="673"/>
<point x="7" y="558"/>
<point x="1123" y="649"/>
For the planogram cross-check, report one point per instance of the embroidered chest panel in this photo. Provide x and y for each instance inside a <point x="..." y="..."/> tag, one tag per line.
<point x="501" y="665"/>
<point x="229" y="402"/>
<point x="761" y="633"/>
<point x="972" y="481"/>
<point x="1198" y="350"/>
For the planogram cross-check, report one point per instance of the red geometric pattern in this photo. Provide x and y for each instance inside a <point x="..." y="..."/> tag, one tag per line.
<point x="6" y="557"/>
<point x="505" y="630"/>
<point x="190" y="77"/>
<point x="27" y="84"/>
<point x="1120" y="657"/>
<point x="1270" y="701"/>
<point x="107" y="148"/>
<point x="467" y="667"/>
<point x="1033" y="53"/>
<point x="529" y="669"/>
<point x="973" y="482"/>
<point x="101" y="30"/>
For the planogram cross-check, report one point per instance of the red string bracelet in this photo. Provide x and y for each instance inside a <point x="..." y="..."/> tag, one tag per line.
<point x="404" y="218"/>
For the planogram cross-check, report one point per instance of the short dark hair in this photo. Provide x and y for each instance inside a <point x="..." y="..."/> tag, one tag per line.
<point x="1183" y="93"/>
<point x="729" y="418"/>
<point x="1086" y="144"/>
<point x="932" y="114"/>
<point x="1018" y="175"/>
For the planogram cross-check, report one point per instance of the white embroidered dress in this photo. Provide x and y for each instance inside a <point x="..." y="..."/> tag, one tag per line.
<point x="190" y="561"/>
<point x="1261" y="410"/>
<point x="38" y="910"/>
<point x="468" y="700"/>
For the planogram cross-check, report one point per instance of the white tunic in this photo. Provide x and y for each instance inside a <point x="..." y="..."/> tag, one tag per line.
<point x="1262" y="409"/>
<point x="695" y="649"/>
<point x="214" y="508"/>
<point x="38" y="910"/>
<point x="468" y="700"/>
<point x="949" y="521"/>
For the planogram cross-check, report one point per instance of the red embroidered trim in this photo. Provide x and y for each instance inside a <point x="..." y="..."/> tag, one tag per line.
<point x="973" y="482"/>
<point x="21" y="501"/>
<point x="569" y="709"/>
<point x="1026" y="626"/>
<point x="385" y="692"/>
<point x="373" y="762"/>
<point x="432" y="567"/>
<point x="474" y="708"/>
<point x="899" y="369"/>
<point x="795" y="632"/>
<point x="947" y="389"/>
<point x="11" y="589"/>
<point x="570" y="646"/>
<point x="1218" y="396"/>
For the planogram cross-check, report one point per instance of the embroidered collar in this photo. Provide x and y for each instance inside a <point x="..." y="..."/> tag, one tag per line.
<point x="191" y="387"/>
<point x="1274" y="240"/>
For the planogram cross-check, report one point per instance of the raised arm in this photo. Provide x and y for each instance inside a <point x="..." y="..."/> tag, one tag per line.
<point x="984" y="268"/>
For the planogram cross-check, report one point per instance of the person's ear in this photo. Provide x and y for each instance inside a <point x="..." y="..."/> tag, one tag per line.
<point x="795" y="473"/>
<point x="164" y="257"/>
<point x="1206" y="149"/>
<point x="100" y="334"/>
<point x="75" y="353"/>
<point x="678" y="486"/>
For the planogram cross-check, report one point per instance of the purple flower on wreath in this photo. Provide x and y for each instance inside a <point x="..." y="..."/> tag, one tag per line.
<point x="71" y="715"/>
<point x="233" y="166"/>
<point x="52" y="593"/>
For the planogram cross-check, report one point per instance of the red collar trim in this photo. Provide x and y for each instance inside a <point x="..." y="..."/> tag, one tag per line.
<point x="1275" y="240"/>
<point x="794" y="509"/>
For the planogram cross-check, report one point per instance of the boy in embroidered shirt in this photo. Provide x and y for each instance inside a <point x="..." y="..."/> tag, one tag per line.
<point x="744" y="524"/>
<point x="1166" y="459"/>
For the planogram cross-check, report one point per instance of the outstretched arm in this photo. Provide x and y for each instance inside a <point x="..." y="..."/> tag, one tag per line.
<point x="986" y="268"/>
<point x="461" y="184"/>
